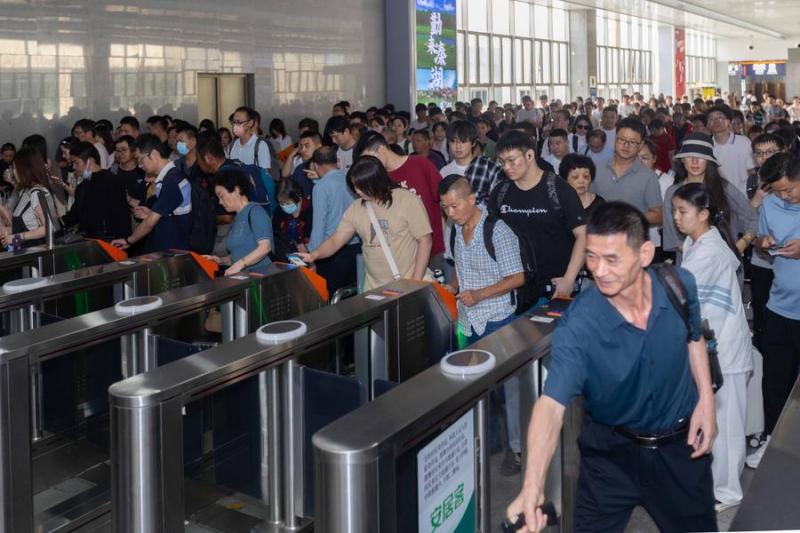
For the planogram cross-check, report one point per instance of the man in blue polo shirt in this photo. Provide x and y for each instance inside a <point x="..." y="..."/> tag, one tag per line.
<point x="169" y="221"/>
<point x="779" y="231"/>
<point x="647" y="393"/>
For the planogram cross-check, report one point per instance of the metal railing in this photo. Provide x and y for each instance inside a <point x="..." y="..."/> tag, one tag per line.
<point x="363" y="469"/>
<point x="394" y="328"/>
<point x="770" y="501"/>
<point x="21" y="357"/>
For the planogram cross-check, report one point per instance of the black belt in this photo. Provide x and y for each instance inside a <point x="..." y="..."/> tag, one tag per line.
<point x="654" y="440"/>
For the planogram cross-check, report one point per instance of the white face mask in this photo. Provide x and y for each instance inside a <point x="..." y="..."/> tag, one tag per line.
<point x="238" y="130"/>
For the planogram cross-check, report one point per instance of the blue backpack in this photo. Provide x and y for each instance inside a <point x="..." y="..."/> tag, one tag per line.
<point x="260" y="184"/>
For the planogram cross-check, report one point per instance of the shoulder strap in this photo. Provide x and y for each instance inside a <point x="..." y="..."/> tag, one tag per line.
<point x="668" y="277"/>
<point x="552" y="193"/>
<point x="453" y="241"/>
<point x="384" y="245"/>
<point x="488" y="233"/>
<point x="502" y="194"/>
<point x="575" y="143"/>
<point x="255" y="150"/>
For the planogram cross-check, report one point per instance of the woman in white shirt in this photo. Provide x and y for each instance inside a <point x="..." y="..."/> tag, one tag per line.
<point x="710" y="254"/>
<point x="278" y="136"/>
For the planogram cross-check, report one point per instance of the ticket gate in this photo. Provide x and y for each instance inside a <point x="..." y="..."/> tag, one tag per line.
<point x="264" y="395"/>
<point x="43" y="261"/>
<point x="27" y="303"/>
<point x="54" y="472"/>
<point x="426" y="465"/>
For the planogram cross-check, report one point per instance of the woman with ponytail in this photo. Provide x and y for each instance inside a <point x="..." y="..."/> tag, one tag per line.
<point x="696" y="164"/>
<point x="710" y="254"/>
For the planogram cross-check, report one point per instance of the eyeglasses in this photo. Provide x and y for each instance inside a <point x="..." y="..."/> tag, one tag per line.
<point x="767" y="154"/>
<point x="142" y="158"/>
<point x="507" y="162"/>
<point x="586" y="127"/>
<point x="239" y="122"/>
<point x="717" y="118"/>
<point x="628" y="142"/>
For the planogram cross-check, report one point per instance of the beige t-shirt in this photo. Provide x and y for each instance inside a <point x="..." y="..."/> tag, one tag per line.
<point x="402" y="223"/>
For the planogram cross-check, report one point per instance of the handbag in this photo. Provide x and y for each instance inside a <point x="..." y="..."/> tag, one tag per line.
<point x="667" y="275"/>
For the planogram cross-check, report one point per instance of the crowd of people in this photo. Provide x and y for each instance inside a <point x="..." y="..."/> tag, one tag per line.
<point x="515" y="204"/>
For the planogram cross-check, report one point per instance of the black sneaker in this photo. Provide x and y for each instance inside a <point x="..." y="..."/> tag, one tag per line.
<point x="512" y="464"/>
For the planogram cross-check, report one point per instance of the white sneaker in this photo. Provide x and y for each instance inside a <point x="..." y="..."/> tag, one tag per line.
<point x="754" y="459"/>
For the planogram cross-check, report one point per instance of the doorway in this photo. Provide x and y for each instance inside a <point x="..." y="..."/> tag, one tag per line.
<point x="218" y="96"/>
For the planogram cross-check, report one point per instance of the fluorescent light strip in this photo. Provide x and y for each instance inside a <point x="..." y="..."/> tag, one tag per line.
<point x="718" y="17"/>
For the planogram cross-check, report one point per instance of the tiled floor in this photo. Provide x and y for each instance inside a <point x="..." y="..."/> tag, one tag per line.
<point x="505" y="489"/>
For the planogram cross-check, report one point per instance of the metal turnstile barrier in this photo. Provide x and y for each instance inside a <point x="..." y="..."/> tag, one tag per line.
<point x="417" y="458"/>
<point x="43" y="261"/>
<point x="77" y="292"/>
<point x="770" y="501"/>
<point x="264" y="399"/>
<point x="54" y="430"/>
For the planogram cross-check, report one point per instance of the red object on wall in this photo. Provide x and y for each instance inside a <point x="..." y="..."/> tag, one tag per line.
<point x="680" y="62"/>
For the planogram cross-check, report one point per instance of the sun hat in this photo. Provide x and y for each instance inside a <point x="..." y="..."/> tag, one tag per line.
<point x="697" y="145"/>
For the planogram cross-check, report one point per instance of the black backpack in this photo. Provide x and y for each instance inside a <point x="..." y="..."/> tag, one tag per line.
<point x="203" y="235"/>
<point x="534" y="288"/>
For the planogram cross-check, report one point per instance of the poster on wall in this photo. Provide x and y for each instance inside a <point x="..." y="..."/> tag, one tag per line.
<point x="680" y="62"/>
<point x="436" y="51"/>
<point x="446" y="479"/>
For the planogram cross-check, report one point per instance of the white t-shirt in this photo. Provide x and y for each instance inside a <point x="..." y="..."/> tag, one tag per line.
<point x="735" y="160"/>
<point x="345" y="157"/>
<point x="246" y="152"/>
<point x="101" y="149"/>
<point x="452" y="168"/>
<point x="534" y="116"/>
<point x="417" y="125"/>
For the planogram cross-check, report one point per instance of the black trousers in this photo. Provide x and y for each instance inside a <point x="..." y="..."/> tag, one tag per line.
<point x="781" y="341"/>
<point x="616" y="475"/>
<point x="340" y="270"/>
<point x="760" y="284"/>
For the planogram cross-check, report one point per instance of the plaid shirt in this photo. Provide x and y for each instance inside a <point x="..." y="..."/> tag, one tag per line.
<point x="476" y="270"/>
<point x="483" y="174"/>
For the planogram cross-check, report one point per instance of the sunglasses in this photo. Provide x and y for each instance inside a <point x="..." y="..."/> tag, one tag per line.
<point x="586" y="127"/>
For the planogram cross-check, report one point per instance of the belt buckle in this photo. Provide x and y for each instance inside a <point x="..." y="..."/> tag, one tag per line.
<point x="649" y="441"/>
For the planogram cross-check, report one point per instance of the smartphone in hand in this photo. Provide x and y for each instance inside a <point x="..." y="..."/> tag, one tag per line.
<point x="296" y="260"/>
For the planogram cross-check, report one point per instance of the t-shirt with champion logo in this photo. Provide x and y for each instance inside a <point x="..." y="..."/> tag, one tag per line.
<point x="533" y="214"/>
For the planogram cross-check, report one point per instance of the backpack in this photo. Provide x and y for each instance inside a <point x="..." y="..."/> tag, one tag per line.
<point x="534" y="288"/>
<point x="261" y="187"/>
<point x="274" y="162"/>
<point x="667" y="276"/>
<point x="203" y="232"/>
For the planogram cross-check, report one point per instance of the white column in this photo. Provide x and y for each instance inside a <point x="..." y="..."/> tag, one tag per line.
<point x="664" y="55"/>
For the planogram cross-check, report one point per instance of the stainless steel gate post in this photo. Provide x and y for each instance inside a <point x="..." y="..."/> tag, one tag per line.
<point x="483" y="466"/>
<point x="147" y="473"/>
<point x="228" y="327"/>
<point x="292" y="395"/>
<point x="269" y="390"/>
<point x="16" y="501"/>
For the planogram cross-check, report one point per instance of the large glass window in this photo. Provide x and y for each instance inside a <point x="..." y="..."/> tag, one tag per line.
<point x="509" y="48"/>
<point x="700" y="59"/>
<point x="624" y="56"/>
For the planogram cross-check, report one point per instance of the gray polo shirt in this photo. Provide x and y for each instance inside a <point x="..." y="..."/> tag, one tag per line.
<point x="638" y="186"/>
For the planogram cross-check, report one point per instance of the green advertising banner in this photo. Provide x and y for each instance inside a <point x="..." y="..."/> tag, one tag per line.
<point x="436" y="51"/>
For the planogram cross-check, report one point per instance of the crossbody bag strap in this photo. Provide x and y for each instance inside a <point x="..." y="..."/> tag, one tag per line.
<point x="384" y="245"/>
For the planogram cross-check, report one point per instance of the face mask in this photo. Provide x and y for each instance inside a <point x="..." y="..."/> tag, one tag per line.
<point x="238" y="130"/>
<point x="86" y="174"/>
<point x="290" y="209"/>
<point x="181" y="148"/>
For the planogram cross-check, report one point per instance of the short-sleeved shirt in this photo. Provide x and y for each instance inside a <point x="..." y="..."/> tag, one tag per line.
<point x="249" y="226"/>
<point x="345" y="157"/>
<point x="533" y="214"/>
<point x="476" y="269"/>
<point x="638" y="186"/>
<point x="246" y="153"/>
<point x="483" y="174"/>
<point x="331" y="198"/>
<point x="420" y="176"/>
<point x="174" y="204"/>
<point x="781" y="219"/>
<point x="735" y="160"/>
<point x="629" y="377"/>
<point x="403" y="223"/>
